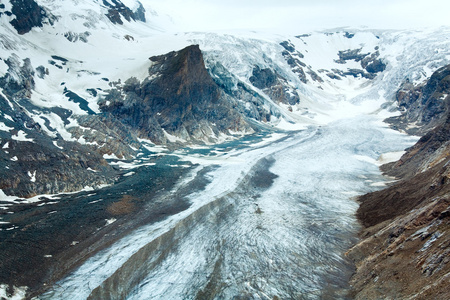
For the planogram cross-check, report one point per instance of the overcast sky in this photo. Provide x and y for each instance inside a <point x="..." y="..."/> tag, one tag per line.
<point x="300" y="15"/>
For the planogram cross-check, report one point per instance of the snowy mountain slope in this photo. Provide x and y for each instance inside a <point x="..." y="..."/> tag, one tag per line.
<point x="88" y="88"/>
<point x="62" y="69"/>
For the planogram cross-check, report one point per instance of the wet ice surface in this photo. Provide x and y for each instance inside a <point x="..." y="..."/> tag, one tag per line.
<point x="278" y="222"/>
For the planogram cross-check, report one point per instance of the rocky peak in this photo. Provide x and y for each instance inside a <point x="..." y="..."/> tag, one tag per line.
<point x="178" y="98"/>
<point x="183" y="72"/>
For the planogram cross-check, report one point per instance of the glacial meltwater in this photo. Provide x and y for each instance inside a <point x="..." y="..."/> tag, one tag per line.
<point x="272" y="220"/>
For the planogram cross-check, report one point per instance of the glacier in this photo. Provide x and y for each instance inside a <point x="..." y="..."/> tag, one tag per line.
<point x="274" y="214"/>
<point x="274" y="220"/>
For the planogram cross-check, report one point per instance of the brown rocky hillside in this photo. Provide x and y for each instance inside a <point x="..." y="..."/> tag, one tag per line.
<point x="404" y="251"/>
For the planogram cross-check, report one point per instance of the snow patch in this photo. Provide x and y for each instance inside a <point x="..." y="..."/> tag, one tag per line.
<point x="17" y="294"/>
<point x="389" y="157"/>
<point x="110" y="156"/>
<point x="22" y="137"/>
<point x="133" y="165"/>
<point x="56" y="145"/>
<point x="173" y="138"/>
<point x="110" y="221"/>
<point x="32" y="176"/>
<point x="3" y="127"/>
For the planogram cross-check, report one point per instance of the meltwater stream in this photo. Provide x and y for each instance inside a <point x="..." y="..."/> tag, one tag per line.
<point x="274" y="222"/>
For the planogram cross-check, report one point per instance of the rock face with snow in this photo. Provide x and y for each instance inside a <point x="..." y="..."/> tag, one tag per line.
<point x="32" y="161"/>
<point x="405" y="245"/>
<point x="424" y="106"/>
<point x="178" y="98"/>
<point x="273" y="85"/>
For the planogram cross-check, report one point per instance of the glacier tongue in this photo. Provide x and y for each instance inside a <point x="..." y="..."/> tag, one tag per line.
<point x="284" y="239"/>
<point x="275" y="224"/>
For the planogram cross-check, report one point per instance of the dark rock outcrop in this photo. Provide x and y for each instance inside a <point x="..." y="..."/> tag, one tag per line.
<point x="117" y="10"/>
<point x="370" y="63"/>
<point x="29" y="14"/>
<point x="424" y="106"/>
<point x="263" y="78"/>
<point x="274" y="86"/>
<point x="242" y="97"/>
<point x="179" y="98"/>
<point x="293" y="57"/>
<point x="349" y="54"/>
<point x="405" y="246"/>
<point x="107" y="134"/>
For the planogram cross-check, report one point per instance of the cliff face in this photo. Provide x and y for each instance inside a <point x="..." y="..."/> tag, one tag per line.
<point x="423" y="106"/>
<point x="178" y="98"/>
<point x="405" y="247"/>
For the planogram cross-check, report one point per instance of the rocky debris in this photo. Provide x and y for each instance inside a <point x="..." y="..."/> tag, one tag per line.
<point x="370" y="63"/>
<point x="45" y="169"/>
<point x="406" y="257"/>
<point x="314" y="75"/>
<point x="405" y="246"/>
<point x="178" y="99"/>
<point x="333" y="76"/>
<point x="424" y="105"/>
<point x="275" y="86"/>
<point x="117" y="10"/>
<point x="74" y="37"/>
<point x="293" y="57"/>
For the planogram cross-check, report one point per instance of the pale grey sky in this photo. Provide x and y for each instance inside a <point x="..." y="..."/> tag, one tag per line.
<point x="301" y="15"/>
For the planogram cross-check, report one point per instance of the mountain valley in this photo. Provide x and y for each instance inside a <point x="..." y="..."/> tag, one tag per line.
<point x="137" y="162"/>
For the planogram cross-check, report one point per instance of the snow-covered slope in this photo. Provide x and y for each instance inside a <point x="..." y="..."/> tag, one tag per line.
<point x="59" y="69"/>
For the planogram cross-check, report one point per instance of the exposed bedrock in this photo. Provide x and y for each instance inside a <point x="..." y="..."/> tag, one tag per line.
<point x="179" y="98"/>
<point x="405" y="247"/>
